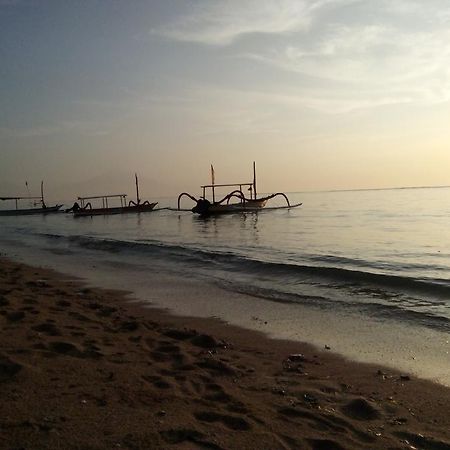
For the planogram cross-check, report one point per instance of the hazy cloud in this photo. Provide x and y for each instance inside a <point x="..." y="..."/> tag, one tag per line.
<point x="216" y="22"/>
<point x="372" y="52"/>
<point x="403" y="65"/>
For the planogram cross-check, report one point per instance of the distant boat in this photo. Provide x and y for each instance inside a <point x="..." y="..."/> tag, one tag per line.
<point x="206" y="207"/>
<point x="43" y="209"/>
<point x="85" y="207"/>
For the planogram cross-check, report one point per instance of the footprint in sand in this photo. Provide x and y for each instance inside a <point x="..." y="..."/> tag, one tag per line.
<point x="63" y="303"/>
<point x="67" y="348"/>
<point x="217" y="394"/>
<point x="324" y="444"/>
<point x="232" y="422"/>
<point x="79" y="317"/>
<point x="29" y="301"/>
<point x="8" y="368"/>
<point x="217" y="367"/>
<point x="48" y="328"/>
<point x="156" y="381"/>
<point x="15" y="316"/>
<point x="180" y="335"/>
<point x="181" y="435"/>
<point x="420" y="441"/>
<point x="326" y="422"/>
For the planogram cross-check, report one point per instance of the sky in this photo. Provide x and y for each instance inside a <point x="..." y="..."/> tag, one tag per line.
<point x="322" y="94"/>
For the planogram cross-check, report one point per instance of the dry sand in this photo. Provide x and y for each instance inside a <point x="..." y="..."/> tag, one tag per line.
<point x="83" y="368"/>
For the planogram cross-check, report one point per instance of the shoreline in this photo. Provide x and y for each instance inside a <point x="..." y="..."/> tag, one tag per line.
<point x="416" y="350"/>
<point x="86" y="367"/>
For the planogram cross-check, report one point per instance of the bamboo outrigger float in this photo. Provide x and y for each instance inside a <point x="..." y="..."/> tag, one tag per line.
<point x="43" y="209"/>
<point x="205" y="207"/>
<point x="85" y="207"/>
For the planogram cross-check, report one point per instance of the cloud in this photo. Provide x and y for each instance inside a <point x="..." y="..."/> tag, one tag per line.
<point x="355" y="53"/>
<point x="250" y="104"/>
<point x="391" y="54"/>
<point x="364" y="53"/>
<point x="215" y="22"/>
<point x="375" y="58"/>
<point x="214" y="110"/>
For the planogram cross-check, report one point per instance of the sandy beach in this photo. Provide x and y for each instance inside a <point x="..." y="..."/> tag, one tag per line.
<point x="85" y="368"/>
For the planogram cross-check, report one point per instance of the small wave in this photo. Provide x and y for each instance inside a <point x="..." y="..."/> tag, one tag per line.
<point x="59" y="251"/>
<point x="394" y="311"/>
<point x="232" y="262"/>
<point x="50" y="235"/>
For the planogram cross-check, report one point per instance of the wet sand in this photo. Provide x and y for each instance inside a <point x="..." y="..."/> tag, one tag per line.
<point x="85" y="368"/>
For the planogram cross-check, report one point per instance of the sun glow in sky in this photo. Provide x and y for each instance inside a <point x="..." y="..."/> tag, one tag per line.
<point x="323" y="94"/>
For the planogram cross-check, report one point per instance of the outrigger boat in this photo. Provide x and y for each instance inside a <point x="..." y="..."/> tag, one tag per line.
<point x="43" y="209"/>
<point x="205" y="207"/>
<point x="85" y="207"/>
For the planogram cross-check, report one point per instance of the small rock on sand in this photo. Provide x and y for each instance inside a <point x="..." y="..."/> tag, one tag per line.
<point x="296" y="357"/>
<point x="204" y="341"/>
<point x="361" y="409"/>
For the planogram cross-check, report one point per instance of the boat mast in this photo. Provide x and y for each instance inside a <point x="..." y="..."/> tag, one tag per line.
<point x="137" y="190"/>
<point x="254" y="179"/>
<point x="212" y="182"/>
<point x="42" y="194"/>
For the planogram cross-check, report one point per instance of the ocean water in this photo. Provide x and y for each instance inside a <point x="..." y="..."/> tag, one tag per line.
<point x="369" y="259"/>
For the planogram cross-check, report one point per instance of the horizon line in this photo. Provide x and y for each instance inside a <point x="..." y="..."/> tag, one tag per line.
<point x="443" y="186"/>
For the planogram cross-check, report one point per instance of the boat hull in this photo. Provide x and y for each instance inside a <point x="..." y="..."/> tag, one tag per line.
<point x="238" y="208"/>
<point x="112" y="211"/>
<point x="249" y="206"/>
<point x="30" y="211"/>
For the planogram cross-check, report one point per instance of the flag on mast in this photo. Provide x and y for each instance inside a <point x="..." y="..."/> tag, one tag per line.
<point x="212" y="175"/>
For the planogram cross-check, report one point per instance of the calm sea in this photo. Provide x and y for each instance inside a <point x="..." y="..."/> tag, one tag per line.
<point x="378" y="254"/>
